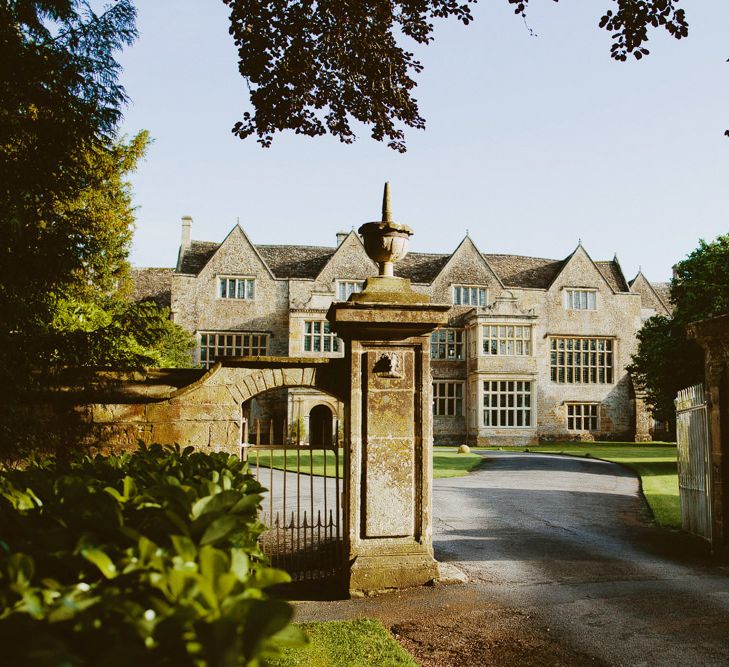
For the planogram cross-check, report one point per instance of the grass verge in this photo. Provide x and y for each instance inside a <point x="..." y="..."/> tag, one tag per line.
<point x="446" y="461"/>
<point x="360" y="643"/>
<point x="654" y="462"/>
<point x="314" y="463"/>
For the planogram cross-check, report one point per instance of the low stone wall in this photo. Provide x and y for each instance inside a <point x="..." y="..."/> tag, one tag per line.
<point x="115" y="412"/>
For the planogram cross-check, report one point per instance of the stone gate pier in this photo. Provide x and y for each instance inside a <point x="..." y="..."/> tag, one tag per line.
<point x="388" y="419"/>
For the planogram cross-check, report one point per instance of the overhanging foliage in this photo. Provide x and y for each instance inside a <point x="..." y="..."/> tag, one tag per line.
<point x="317" y="66"/>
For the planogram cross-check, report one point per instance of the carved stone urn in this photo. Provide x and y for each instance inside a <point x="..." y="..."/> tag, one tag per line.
<point x="386" y="241"/>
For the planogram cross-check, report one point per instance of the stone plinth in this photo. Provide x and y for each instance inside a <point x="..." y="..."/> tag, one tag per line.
<point x="388" y="426"/>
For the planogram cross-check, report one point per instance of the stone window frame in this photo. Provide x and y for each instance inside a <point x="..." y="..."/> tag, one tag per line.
<point x="497" y="392"/>
<point x="448" y="398"/>
<point x="248" y="344"/>
<point x="504" y="340"/>
<point x="319" y="332"/>
<point x="345" y="288"/>
<point x="586" y="298"/>
<point x="223" y="284"/>
<point x="583" y="416"/>
<point x="440" y="342"/>
<point x="600" y="366"/>
<point x="458" y="291"/>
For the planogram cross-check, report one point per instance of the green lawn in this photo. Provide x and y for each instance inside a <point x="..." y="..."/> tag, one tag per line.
<point x="446" y="461"/>
<point x="304" y="460"/>
<point x="361" y="643"/>
<point x="654" y="462"/>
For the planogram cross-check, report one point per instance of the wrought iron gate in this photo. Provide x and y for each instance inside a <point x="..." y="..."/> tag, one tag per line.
<point x="694" y="460"/>
<point x="302" y="508"/>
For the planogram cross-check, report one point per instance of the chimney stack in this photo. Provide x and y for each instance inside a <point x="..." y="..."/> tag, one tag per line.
<point x="340" y="237"/>
<point x="186" y="241"/>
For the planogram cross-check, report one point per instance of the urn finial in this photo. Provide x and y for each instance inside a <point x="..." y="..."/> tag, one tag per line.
<point x="386" y="241"/>
<point x="386" y="204"/>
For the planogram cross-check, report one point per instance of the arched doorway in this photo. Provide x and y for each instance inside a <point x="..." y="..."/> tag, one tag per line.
<point x="320" y="426"/>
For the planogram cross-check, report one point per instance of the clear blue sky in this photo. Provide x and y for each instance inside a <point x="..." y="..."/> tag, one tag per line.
<point x="532" y="142"/>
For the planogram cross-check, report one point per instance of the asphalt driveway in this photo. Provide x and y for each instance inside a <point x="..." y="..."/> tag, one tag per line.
<point x="568" y="541"/>
<point x="564" y="568"/>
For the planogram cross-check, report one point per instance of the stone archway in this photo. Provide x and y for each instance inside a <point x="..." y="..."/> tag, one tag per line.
<point x="245" y="378"/>
<point x="321" y="425"/>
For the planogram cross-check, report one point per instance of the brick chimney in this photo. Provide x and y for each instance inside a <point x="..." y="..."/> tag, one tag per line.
<point x="340" y="237"/>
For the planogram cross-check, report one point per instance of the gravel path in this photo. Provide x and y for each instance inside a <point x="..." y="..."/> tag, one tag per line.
<point x="564" y="568"/>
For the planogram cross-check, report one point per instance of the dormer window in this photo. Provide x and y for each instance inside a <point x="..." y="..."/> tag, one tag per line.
<point x="467" y="295"/>
<point x="349" y="287"/>
<point x="581" y="299"/>
<point x="231" y="287"/>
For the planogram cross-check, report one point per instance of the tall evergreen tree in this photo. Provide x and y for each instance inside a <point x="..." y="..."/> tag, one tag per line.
<point x="65" y="205"/>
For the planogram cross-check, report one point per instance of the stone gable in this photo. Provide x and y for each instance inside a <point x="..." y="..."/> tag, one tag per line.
<point x="466" y="266"/>
<point x="349" y="262"/>
<point x="197" y="306"/>
<point x="650" y="297"/>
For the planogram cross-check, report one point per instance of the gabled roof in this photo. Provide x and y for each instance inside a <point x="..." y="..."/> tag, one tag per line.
<point x="519" y="271"/>
<point x="295" y="261"/>
<point x="194" y="259"/>
<point x="613" y="274"/>
<point x="663" y="290"/>
<point x="653" y="295"/>
<point x="421" y="267"/>
<point x="610" y="271"/>
<point x="284" y="261"/>
<point x="150" y="284"/>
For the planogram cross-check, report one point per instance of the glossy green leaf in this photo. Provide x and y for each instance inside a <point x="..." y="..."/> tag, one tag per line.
<point x="184" y="547"/>
<point x="222" y="528"/>
<point x="213" y="563"/>
<point x="101" y="560"/>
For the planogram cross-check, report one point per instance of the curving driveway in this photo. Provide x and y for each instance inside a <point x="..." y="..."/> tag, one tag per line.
<point x="564" y="569"/>
<point x="568" y="543"/>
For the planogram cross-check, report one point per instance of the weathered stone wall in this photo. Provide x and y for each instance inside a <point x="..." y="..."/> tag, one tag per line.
<point x="449" y="429"/>
<point x="618" y="317"/>
<point x="310" y="299"/>
<point x="465" y="267"/>
<point x="196" y="305"/>
<point x="205" y="414"/>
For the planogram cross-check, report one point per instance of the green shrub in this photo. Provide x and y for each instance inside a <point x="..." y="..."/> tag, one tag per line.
<point x="143" y="559"/>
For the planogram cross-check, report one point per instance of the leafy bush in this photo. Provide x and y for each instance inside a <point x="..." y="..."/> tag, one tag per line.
<point x="143" y="559"/>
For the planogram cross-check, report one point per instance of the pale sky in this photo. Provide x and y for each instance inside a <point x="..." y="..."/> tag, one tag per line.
<point x="532" y="142"/>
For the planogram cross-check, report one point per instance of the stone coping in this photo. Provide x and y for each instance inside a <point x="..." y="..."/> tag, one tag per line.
<point x="274" y="362"/>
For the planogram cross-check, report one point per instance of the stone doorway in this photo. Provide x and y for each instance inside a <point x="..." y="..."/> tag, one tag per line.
<point x="321" y="423"/>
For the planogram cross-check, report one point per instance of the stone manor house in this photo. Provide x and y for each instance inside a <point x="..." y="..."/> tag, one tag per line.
<point x="535" y="348"/>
